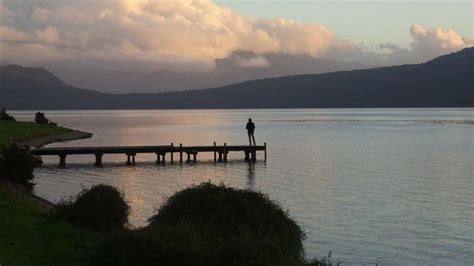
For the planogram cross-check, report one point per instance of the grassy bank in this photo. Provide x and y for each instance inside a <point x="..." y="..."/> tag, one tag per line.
<point x="28" y="238"/>
<point x="11" y="131"/>
<point x="26" y="235"/>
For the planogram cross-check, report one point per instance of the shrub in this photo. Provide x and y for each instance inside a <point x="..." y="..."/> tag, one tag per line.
<point x="3" y="167"/>
<point x="40" y="118"/>
<point x="183" y="244"/>
<point x="211" y="225"/>
<point x="224" y="212"/>
<point x="101" y="208"/>
<point x="4" y="116"/>
<point x="17" y="166"/>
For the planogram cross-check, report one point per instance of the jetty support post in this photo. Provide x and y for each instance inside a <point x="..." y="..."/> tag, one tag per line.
<point x="131" y="158"/>
<point x="98" y="159"/>
<point x="181" y="153"/>
<point x="215" y="155"/>
<point x="225" y="152"/>
<point x="172" y="147"/>
<point x="163" y="158"/>
<point x="247" y="155"/>
<point x="158" y="158"/>
<point x="62" y="160"/>
<point x="265" y="151"/>
<point x="253" y="156"/>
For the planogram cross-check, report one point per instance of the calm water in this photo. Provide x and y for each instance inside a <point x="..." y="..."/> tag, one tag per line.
<point x="387" y="185"/>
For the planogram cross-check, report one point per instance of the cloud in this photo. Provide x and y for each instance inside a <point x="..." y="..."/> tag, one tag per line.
<point x="5" y="12"/>
<point x="429" y="43"/>
<point x="157" y="31"/>
<point x="181" y="33"/>
<point x="258" y="61"/>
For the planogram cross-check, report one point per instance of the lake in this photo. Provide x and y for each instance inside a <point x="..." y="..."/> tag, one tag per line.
<point x="393" y="186"/>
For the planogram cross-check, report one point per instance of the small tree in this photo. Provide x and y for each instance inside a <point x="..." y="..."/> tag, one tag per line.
<point x="40" y="118"/>
<point x="16" y="166"/>
<point x="4" y="116"/>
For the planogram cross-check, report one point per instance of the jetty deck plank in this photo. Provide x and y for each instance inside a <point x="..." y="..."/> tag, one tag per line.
<point x="161" y="151"/>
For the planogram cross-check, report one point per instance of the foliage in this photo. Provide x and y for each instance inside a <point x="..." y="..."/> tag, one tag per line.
<point x="40" y="118"/>
<point x="225" y="211"/>
<point x="4" y="116"/>
<point x="27" y="238"/>
<point x="101" y="208"/>
<point x="184" y="244"/>
<point x="16" y="166"/>
<point x="211" y="225"/>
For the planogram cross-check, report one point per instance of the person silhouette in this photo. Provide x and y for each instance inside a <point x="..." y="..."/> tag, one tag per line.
<point x="250" y="130"/>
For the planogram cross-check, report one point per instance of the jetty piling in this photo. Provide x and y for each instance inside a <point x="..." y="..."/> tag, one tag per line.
<point x="215" y="152"/>
<point x="98" y="159"/>
<point x="225" y="152"/>
<point x="171" y="154"/>
<point x="220" y="153"/>
<point x="265" y="151"/>
<point x="62" y="160"/>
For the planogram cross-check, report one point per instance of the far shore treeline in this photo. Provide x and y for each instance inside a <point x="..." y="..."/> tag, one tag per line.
<point x="446" y="81"/>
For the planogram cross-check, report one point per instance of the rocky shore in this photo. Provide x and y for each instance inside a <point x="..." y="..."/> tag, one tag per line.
<point x="72" y="135"/>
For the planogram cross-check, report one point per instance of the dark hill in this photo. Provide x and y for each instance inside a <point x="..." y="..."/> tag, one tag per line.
<point x="37" y="88"/>
<point x="447" y="81"/>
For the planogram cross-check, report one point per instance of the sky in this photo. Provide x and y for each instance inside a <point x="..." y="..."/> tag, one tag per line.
<point x="355" y="20"/>
<point x="189" y="34"/>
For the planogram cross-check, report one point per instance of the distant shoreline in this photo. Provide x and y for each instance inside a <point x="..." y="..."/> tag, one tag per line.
<point x="38" y="142"/>
<point x="13" y="110"/>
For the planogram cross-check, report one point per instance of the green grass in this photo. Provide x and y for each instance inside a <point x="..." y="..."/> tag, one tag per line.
<point x="11" y="131"/>
<point x="27" y="234"/>
<point x="28" y="237"/>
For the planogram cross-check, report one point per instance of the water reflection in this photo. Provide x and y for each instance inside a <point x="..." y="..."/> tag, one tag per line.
<point x="250" y="176"/>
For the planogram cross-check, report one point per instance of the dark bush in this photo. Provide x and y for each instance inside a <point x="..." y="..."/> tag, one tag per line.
<point x="101" y="208"/>
<point x="40" y="118"/>
<point x="17" y="166"/>
<point x="183" y="244"/>
<point x="211" y="225"/>
<point x="224" y="212"/>
<point x="4" y="116"/>
<point x="3" y="167"/>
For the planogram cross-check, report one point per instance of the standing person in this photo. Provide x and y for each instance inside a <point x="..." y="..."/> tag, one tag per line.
<point x="250" y="129"/>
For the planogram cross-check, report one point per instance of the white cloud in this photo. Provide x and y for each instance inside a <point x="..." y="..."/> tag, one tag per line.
<point x="5" y="12"/>
<point x="258" y="61"/>
<point x="157" y="31"/>
<point x="49" y="35"/>
<point x="428" y="43"/>
<point x="8" y="34"/>
<point x="182" y="33"/>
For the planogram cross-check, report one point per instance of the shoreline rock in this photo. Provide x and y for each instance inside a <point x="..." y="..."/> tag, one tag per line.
<point x="38" y="142"/>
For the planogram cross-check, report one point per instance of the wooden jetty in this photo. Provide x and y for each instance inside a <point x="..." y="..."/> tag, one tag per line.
<point x="220" y="152"/>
